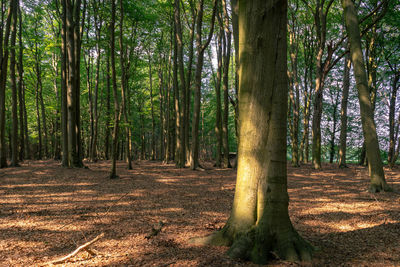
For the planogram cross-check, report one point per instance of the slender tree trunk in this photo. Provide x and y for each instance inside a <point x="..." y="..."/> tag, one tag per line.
<point x="64" y="101"/>
<point x="108" y="106"/>
<point x="22" y="151"/>
<point x="343" y="113"/>
<point x="393" y="153"/>
<point x="200" y="47"/>
<point x="168" y="144"/>
<point x="153" y="124"/>
<point x="114" y="147"/>
<point x="3" y="78"/>
<point x="218" y="123"/>
<point x="181" y="156"/>
<point x="178" y="154"/>
<point x="378" y="182"/>
<point x="225" y="86"/>
<point x="334" y="126"/>
<point x="259" y="222"/>
<point x="39" y="128"/>
<point x="124" y="85"/>
<point x="14" y="139"/>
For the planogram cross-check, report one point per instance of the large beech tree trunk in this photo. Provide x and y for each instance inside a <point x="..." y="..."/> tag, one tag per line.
<point x="259" y="222"/>
<point x="378" y="182"/>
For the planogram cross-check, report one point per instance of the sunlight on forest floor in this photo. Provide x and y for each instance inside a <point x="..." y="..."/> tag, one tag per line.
<point x="47" y="211"/>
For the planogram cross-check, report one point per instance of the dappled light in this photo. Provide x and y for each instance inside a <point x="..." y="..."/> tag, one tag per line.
<point x="46" y="215"/>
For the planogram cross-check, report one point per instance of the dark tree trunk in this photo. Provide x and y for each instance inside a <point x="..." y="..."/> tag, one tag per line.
<point x="14" y="137"/>
<point x="343" y="113"/>
<point x="3" y="78"/>
<point x="114" y="147"/>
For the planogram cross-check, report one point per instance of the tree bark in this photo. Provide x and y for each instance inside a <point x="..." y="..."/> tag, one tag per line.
<point x="200" y="47"/>
<point x="378" y="182"/>
<point x="153" y="124"/>
<point x="124" y="85"/>
<point x="218" y="123"/>
<point x="225" y="86"/>
<point x="14" y="139"/>
<point x="114" y="146"/>
<point x="3" y="78"/>
<point x="343" y="113"/>
<point x="259" y="222"/>
<point x="22" y="142"/>
<point x="64" y="96"/>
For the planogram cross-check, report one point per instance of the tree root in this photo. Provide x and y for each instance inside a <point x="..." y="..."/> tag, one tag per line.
<point x="374" y="188"/>
<point x="258" y="247"/>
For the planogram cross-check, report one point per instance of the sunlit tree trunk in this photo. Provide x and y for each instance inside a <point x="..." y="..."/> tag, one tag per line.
<point x="259" y="222"/>
<point x="378" y="182"/>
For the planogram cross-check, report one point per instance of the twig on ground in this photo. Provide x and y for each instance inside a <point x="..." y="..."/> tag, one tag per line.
<point x="84" y="247"/>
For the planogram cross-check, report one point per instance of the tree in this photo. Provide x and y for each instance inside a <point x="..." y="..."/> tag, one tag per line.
<point x="200" y="47"/>
<point x="14" y="139"/>
<point x="4" y="51"/>
<point x="343" y="112"/>
<point x="378" y="182"/>
<point x="259" y="222"/>
<point x="114" y="145"/>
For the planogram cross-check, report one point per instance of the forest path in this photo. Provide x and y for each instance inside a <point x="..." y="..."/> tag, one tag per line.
<point x="46" y="211"/>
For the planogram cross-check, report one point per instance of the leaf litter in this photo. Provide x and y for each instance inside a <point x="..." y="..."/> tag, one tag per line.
<point x="150" y="212"/>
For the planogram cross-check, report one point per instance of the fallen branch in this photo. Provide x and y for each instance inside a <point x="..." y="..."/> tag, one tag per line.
<point x="84" y="247"/>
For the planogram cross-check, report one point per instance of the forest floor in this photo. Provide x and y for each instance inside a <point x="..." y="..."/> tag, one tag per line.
<point x="47" y="211"/>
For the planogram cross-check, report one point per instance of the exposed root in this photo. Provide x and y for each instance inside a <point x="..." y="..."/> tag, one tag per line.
<point x="258" y="247"/>
<point x="374" y="188"/>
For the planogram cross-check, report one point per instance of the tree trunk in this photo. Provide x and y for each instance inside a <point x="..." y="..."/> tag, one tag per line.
<point x="64" y="101"/>
<point x="225" y="86"/>
<point x="334" y="126"/>
<point x="378" y="182"/>
<point x="22" y="151"/>
<point x="153" y="125"/>
<point x="294" y="88"/>
<point x="200" y="47"/>
<point x="181" y="148"/>
<point x="3" y="79"/>
<point x="108" y="106"/>
<point x="124" y="85"/>
<point x="218" y="123"/>
<point x="259" y="222"/>
<point x="14" y="139"/>
<point x="343" y="113"/>
<point x="114" y="146"/>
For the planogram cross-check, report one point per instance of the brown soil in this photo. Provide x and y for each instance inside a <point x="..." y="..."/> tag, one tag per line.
<point x="48" y="211"/>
